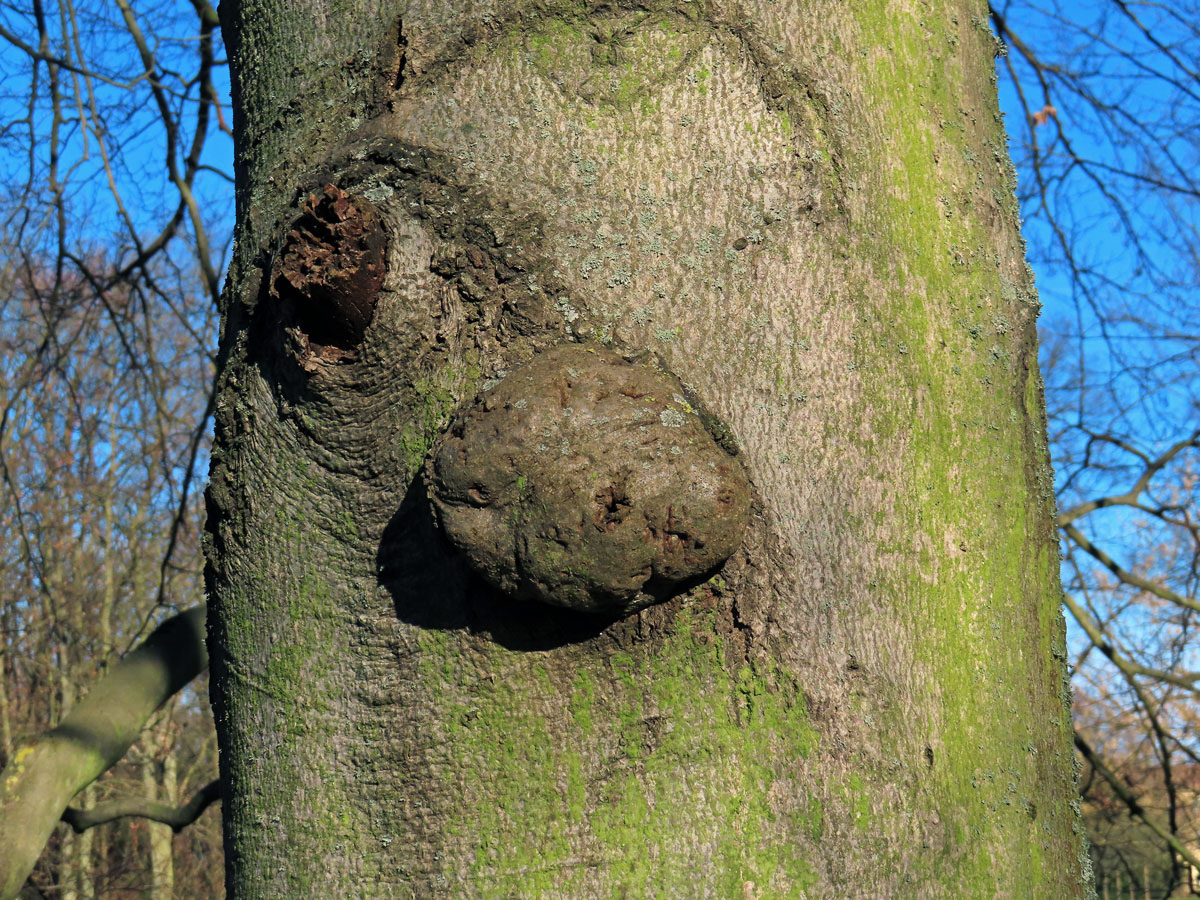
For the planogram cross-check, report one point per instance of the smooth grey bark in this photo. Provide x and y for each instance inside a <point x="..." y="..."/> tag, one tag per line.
<point x="802" y="210"/>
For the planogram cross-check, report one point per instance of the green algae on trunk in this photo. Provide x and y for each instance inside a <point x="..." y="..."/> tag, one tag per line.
<point x="801" y="211"/>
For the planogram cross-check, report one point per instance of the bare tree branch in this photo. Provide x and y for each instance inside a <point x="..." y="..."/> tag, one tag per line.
<point x="1131" y="802"/>
<point x="178" y="817"/>
<point x="1125" y="575"/>
<point x="48" y="771"/>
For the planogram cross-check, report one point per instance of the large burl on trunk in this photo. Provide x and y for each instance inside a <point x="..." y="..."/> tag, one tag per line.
<point x="585" y="482"/>
<point x="777" y="618"/>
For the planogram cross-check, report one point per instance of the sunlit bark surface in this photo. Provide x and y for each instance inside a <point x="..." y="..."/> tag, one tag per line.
<point x="804" y="212"/>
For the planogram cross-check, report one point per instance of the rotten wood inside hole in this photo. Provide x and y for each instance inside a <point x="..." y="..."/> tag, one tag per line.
<point x="328" y="275"/>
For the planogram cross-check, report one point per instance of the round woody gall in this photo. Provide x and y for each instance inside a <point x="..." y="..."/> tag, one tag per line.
<point x="584" y="481"/>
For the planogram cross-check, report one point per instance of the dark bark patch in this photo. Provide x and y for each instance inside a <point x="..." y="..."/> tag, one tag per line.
<point x="328" y="274"/>
<point x="431" y="589"/>
<point x="401" y="52"/>
<point x="488" y="248"/>
<point x="586" y="482"/>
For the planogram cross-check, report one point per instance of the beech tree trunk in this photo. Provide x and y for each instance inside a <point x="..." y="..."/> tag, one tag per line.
<point x="805" y="212"/>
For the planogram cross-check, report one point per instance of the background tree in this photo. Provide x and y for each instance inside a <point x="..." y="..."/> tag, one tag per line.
<point x="87" y="513"/>
<point x="108" y="320"/>
<point x="1104" y="136"/>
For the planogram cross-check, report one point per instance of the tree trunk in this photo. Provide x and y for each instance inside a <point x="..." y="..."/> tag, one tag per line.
<point x="805" y="212"/>
<point x="162" y="861"/>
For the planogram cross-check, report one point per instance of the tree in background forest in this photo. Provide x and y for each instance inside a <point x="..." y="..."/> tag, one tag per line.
<point x="1130" y="346"/>
<point x="1105" y="139"/>
<point x="107" y="327"/>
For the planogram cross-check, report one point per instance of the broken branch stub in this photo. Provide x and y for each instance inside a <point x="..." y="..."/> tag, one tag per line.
<point x="584" y="481"/>
<point x="330" y="269"/>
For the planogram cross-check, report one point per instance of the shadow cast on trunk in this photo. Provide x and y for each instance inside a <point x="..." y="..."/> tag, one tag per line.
<point x="432" y="587"/>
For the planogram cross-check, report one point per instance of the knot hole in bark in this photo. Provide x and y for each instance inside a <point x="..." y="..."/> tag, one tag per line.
<point x="328" y="273"/>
